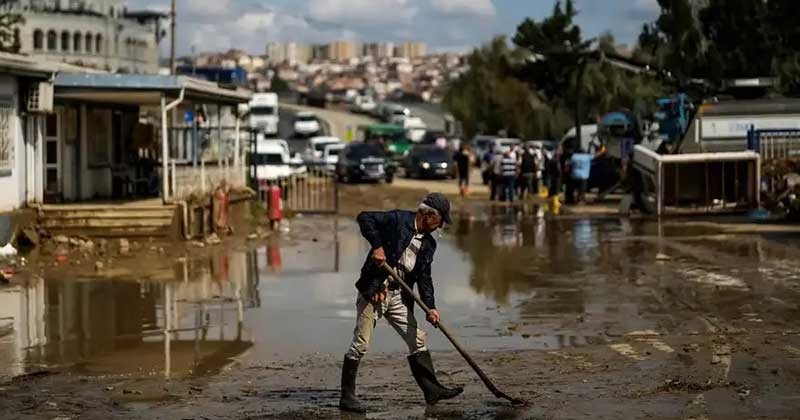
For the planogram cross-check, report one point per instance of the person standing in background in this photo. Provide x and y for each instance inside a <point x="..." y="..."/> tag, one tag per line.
<point x="463" y="160"/>
<point x="508" y="171"/>
<point x="581" y="166"/>
<point x="497" y="176"/>
<point x="527" y="169"/>
<point x="554" y="170"/>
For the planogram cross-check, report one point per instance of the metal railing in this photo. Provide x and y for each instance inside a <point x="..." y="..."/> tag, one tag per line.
<point x="311" y="189"/>
<point x="774" y="143"/>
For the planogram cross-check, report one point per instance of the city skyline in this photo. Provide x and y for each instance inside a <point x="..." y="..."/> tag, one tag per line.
<point x="444" y="25"/>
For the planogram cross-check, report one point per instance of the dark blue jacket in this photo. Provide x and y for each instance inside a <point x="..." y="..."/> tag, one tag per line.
<point x="393" y="230"/>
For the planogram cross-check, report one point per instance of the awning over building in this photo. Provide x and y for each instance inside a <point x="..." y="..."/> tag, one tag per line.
<point x="138" y="89"/>
<point x="21" y="65"/>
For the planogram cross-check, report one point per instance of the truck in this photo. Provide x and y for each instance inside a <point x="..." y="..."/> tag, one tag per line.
<point x="392" y="137"/>
<point x="264" y="116"/>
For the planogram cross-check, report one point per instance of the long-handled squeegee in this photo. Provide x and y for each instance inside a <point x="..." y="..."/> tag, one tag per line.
<point x="446" y="331"/>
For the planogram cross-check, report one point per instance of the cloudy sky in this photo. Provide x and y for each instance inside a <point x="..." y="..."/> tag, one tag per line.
<point x="214" y="25"/>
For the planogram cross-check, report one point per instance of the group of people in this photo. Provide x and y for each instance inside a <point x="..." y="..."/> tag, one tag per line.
<point x="515" y="172"/>
<point x="524" y="170"/>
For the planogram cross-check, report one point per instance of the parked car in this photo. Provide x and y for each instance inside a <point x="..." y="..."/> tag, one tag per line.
<point x="330" y="156"/>
<point x="317" y="146"/>
<point x="363" y="105"/>
<point x="360" y="162"/>
<point x="429" y="161"/>
<point x="270" y="161"/>
<point x="273" y="159"/>
<point x="306" y="124"/>
<point x="394" y="112"/>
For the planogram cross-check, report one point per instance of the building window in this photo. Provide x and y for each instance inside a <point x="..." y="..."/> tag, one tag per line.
<point x="76" y="42"/>
<point x="99" y="44"/>
<point x="38" y="40"/>
<point x="64" y="41"/>
<point x="52" y="40"/>
<point x="89" y="45"/>
<point x="6" y="136"/>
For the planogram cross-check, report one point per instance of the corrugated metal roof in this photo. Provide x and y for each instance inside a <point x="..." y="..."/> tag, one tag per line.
<point x="118" y="81"/>
<point x="150" y="82"/>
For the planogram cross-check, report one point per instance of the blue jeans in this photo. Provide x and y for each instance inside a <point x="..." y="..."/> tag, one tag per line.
<point x="508" y="188"/>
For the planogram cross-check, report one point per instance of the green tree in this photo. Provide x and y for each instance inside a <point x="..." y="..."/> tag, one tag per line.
<point x="556" y="49"/>
<point x="557" y="56"/>
<point x="738" y="39"/>
<point x="674" y="41"/>
<point x="9" y="32"/>
<point x="785" y="34"/>
<point x="488" y="98"/>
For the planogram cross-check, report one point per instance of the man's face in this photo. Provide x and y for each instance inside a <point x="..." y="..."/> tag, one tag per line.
<point x="430" y="222"/>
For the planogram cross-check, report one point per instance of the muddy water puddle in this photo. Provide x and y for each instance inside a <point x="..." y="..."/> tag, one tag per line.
<point x="504" y="279"/>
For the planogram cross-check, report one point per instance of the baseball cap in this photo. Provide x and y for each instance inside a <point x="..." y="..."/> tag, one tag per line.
<point x="439" y="202"/>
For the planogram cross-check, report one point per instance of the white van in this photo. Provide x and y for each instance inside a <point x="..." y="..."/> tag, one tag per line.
<point x="330" y="156"/>
<point x="588" y="143"/>
<point x="263" y="109"/>
<point x="273" y="160"/>
<point x="317" y="145"/>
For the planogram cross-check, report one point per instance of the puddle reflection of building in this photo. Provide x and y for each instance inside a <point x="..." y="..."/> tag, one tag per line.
<point x="192" y="324"/>
<point x="22" y="311"/>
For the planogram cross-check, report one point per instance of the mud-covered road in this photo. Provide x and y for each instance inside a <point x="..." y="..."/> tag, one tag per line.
<point x="585" y="318"/>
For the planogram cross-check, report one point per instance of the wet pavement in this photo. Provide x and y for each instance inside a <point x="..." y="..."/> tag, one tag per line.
<point x="677" y="308"/>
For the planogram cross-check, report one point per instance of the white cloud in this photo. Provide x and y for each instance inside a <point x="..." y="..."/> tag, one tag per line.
<point x="464" y="7"/>
<point x="647" y="6"/>
<point x="362" y="12"/>
<point x="252" y="30"/>
<point x="205" y="8"/>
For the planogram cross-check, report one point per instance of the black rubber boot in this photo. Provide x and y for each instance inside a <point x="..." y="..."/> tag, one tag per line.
<point x="348" y="401"/>
<point x="422" y="369"/>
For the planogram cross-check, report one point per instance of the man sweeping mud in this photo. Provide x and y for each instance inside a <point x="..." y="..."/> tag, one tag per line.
<point x="403" y="240"/>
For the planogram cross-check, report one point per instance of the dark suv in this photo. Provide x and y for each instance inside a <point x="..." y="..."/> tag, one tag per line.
<point x="429" y="161"/>
<point x="360" y="162"/>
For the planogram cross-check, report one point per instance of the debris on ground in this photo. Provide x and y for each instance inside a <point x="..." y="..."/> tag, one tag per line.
<point x="8" y="251"/>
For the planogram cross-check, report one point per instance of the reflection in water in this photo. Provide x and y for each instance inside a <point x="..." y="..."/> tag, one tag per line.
<point x="565" y="282"/>
<point x="191" y="324"/>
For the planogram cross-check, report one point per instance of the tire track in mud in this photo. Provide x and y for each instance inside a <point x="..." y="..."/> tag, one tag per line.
<point x="747" y="280"/>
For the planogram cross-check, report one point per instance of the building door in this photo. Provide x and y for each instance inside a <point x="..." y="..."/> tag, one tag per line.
<point x="52" y="159"/>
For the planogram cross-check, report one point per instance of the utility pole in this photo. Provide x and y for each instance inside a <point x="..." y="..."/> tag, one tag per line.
<point x="172" y="39"/>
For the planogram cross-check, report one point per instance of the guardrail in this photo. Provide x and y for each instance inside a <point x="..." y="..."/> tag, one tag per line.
<point x="310" y="189"/>
<point x="774" y="143"/>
